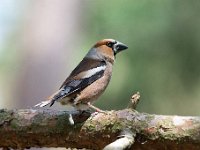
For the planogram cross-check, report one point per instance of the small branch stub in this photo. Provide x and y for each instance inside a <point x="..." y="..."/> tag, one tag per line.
<point x="135" y="98"/>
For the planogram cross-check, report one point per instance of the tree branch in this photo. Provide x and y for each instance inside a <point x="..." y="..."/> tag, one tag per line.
<point x="47" y="128"/>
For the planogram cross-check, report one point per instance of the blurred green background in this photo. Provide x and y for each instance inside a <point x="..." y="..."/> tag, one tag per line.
<point x="42" y="41"/>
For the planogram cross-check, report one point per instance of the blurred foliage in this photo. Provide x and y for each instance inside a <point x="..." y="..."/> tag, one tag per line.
<point x="163" y="58"/>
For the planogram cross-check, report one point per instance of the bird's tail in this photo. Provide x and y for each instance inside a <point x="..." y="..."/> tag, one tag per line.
<point x="51" y="100"/>
<point x="43" y="103"/>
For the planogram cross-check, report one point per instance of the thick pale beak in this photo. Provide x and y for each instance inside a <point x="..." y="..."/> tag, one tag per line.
<point x="118" y="47"/>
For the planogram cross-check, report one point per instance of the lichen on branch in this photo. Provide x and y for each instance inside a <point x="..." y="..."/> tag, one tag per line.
<point x="46" y="128"/>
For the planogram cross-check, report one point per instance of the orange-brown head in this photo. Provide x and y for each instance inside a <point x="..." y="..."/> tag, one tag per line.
<point x="106" y="49"/>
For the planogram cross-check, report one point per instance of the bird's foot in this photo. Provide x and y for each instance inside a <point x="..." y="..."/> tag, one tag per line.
<point x="98" y="110"/>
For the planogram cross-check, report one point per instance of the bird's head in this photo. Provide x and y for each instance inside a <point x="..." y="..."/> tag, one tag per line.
<point x="106" y="48"/>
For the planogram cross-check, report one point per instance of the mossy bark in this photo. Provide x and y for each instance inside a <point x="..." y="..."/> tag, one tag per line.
<point x="47" y="128"/>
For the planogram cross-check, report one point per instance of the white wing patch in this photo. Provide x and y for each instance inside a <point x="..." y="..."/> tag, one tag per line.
<point x="91" y="72"/>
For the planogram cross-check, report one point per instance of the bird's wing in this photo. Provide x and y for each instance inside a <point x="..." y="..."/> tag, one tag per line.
<point x="87" y="67"/>
<point x="87" y="72"/>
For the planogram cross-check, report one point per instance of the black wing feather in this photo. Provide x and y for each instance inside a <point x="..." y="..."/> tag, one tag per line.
<point x="77" y="85"/>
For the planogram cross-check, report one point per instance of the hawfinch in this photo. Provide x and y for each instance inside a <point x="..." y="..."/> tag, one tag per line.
<point x="90" y="78"/>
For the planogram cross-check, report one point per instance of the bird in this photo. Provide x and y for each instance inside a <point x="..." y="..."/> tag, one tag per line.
<point x="89" y="79"/>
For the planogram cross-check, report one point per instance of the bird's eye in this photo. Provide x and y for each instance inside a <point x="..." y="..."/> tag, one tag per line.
<point x="110" y="44"/>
